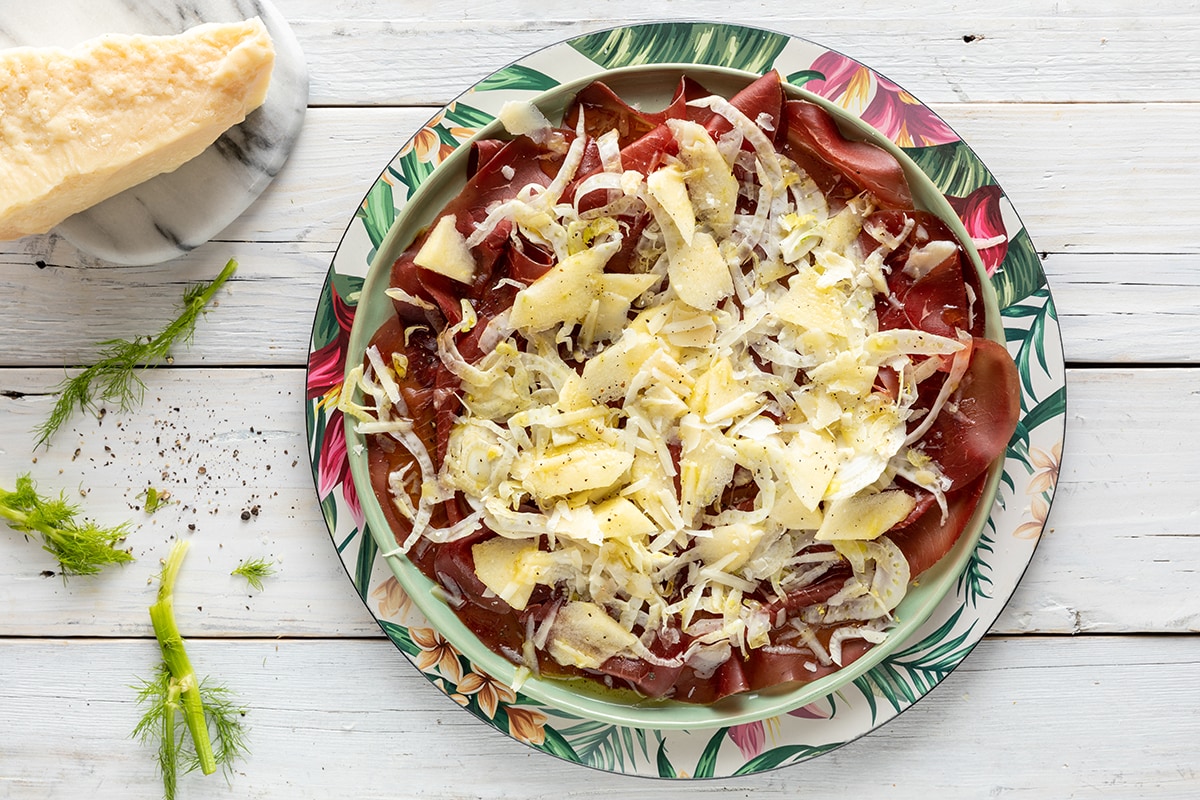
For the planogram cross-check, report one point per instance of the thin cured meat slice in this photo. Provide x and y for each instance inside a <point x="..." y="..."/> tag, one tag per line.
<point x="519" y="163"/>
<point x="814" y="141"/>
<point x="771" y="668"/>
<point x="761" y="102"/>
<point x="938" y="303"/>
<point x="644" y="154"/>
<point x="728" y="679"/>
<point x="925" y="540"/>
<point x="974" y="427"/>
<point x="648" y="679"/>
<point x="454" y="567"/>
<point x="481" y="152"/>
<point x="820" y="591"/>
<point x="931" y="284"/>
<point x="603" y="110"/>
<point x="652" y="680"/>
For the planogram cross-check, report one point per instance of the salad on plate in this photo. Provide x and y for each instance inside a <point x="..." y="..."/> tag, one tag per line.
<point x="682" y="402"/>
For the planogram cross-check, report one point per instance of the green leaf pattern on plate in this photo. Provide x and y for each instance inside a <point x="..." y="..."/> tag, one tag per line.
<point x="516" y="76"/>
<point x="952" y="167"/>
<point x="908" y="674"/>
<point x="731" y="46"/>
<point x="1004" y="550"/>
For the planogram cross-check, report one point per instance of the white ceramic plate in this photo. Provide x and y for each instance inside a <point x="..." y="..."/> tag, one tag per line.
<point x="1009" y="535"/>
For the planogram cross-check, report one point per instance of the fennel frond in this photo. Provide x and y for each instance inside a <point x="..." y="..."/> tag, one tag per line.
<point x="254" y="570"/>
<point x="114" y="377"/>
<point x="81" y="547"/>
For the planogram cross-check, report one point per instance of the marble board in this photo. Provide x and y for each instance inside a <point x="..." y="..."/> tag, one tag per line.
<point x="173" y="213"/>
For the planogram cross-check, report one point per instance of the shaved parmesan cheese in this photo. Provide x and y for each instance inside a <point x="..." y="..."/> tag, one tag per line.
<point x="711" y="185"/>
<point x="573" y="469"/>
<point x="520" y="117"/>
<point x="667" y="187"/>
<point x="729" y="545"/>
<point x="921" y="260"/>
<point x="564" y="295"/>
<point x="445" y="252"/>
<point x="865" y="516"/>
<point x="811" y="307"/>
<point x="510" y="568"/>
<point x="699" y="273"/>
<point x="585" y="636"/>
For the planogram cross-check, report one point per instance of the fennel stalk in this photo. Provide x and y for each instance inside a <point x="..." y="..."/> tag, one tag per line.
<point x="208" y="712"/>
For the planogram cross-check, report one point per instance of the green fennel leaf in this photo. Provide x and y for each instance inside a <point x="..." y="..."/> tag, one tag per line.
<point x="114" y="376"/>
<point x="82" y="547"/>
<point x="254" y="570"/>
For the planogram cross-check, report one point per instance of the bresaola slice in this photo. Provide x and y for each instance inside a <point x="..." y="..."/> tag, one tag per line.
<point x="965" y="406"/>
<point x="930" y="280"/>
<point x="980" y="418"/>
<point x="498" y="173"/>
<point x="814" y="141"/>
<point x="603" y="110"/>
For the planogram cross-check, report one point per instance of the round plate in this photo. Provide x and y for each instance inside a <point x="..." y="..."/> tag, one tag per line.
<point x="175" y="212"/>
<point x="1008" y="539"/>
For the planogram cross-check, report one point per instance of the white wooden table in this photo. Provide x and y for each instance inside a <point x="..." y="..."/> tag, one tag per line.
<point x="1086" y="687"/>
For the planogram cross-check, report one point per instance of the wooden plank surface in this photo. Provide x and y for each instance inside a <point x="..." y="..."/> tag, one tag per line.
<point x="410" y="52"/>
<point x="1084" y="111"/>
<point x="1121" y="539"/>
<point x="352" y="719"/>
<point x="1121" y="245"/>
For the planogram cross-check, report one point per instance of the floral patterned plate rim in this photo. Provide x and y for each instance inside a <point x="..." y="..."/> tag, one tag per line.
<point x="1009" y="537"/>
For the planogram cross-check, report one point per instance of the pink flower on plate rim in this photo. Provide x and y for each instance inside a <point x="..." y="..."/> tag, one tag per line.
<point x="751" y="737"/>
<point x="325" y="364"/>
<point x="325" y="372"/>
<point x="982" y="217"/>
<point x="881" y="103"/>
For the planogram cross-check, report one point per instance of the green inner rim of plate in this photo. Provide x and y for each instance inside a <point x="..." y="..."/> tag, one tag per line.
<point x="649" y="87"/>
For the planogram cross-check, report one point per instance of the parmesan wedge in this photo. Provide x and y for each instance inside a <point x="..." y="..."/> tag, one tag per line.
<point x="78" y="126"/>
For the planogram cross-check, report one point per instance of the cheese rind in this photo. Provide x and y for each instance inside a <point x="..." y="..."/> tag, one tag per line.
<point x="80" y="125"/>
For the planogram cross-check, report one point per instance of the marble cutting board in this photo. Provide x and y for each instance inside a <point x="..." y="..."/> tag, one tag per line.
<point x="175" y="212"/>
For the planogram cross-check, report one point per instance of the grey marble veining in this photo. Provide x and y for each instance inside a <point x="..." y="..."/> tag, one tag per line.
<point x="178" y="211"/>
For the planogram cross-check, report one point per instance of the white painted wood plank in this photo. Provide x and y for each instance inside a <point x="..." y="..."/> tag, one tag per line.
<point x="1102" y="227"/>
<point x="225" y="444"/>
<point x="1091" y="178"/>
<point x="1127" y="308"/>
<point x="1119" y="555"/>
<point x="1112" y="308"/>
<point x="1129" y="490"/>
<point x="411" y="53"/>
<point x="1098" y="178"/>
<point x="1032" y="717"/>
